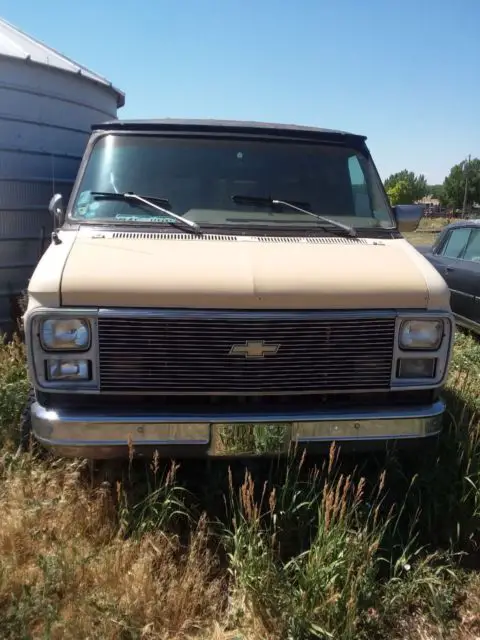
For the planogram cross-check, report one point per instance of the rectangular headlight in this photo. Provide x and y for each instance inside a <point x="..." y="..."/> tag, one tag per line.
<point x="421" y="334"/>
<point x="65" y="334"/>
<point x="67" y="369"/>
<point x="416" y="368"/>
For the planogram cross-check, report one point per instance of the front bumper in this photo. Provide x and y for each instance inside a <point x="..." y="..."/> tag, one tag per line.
<point x="106" y="435"/>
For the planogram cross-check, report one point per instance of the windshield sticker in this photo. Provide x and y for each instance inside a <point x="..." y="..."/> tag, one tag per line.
<point x="84" y="203"/>
<point x="86" y="206"/>
<point x="129" y="218"/>
<point x="91" y="210"/>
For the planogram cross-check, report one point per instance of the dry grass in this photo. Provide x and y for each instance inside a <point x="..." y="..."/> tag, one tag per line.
<point x="433" y="225"/>
<point x="373" y="548"/>
<point x="66" y="570"/>
<point x="420" y="239"/>
<point x="427" y="231"/>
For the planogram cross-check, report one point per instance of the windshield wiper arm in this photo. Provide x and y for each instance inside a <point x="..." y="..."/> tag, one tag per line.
<point x="189" y="223"/>
<point x="350" y="230"/>
<point x="129" y="195"/>
<point x="298" y="206"/>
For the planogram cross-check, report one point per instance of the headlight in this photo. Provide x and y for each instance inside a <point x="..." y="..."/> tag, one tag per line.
<point x="68" y="370"/>
<point x="65" y="334"/>
<point x="416" y="368"/>
<point x="421" y="334"/>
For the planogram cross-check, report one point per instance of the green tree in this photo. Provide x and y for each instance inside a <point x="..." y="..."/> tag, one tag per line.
<point x="400" y="193"/>
<point x="405" y="187"/>
<point x="454" y="184"/>
<point x="435" y="190"/>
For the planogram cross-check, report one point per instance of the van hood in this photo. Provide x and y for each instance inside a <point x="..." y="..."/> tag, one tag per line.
<point x="171" y="270"/>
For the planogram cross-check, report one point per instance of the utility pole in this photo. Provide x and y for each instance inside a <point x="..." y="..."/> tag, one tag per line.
<point x="467" y="166"/>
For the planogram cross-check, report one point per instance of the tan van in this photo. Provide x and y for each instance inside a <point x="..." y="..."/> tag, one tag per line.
<point x="231" y="288"/>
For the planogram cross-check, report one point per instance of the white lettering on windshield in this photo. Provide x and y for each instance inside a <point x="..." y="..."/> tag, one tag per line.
<point x="129" y="218"/>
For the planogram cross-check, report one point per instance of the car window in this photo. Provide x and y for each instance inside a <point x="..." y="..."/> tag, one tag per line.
<point x="472" y="252"/>
<point x="455" y="243"/>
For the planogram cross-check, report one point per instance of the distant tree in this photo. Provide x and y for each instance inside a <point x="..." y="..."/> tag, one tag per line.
<point x="454" y="184"/>
<point x="400" y="193"/>
<point x="435" y="190"/>
<point x="405" y="187"/>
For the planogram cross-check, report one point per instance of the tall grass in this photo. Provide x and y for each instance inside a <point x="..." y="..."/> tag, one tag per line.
<point x="13" y="388"/>
<point x="372" y="547"/>
<point x="358" y="573"/>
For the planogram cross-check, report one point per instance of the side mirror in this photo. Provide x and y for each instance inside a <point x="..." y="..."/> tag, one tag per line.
<point x="408" y="216"/>
<point x="57" y="209"/>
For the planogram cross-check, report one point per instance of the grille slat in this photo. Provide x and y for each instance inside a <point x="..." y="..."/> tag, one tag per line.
<point x="300" y="353"/>
<point x="256" y="367"/>
<point x="191" y="355"/>
<point x="258" y="364"/>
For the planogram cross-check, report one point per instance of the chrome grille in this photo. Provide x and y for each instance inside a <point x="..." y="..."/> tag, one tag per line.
<point x="191" y="353"/>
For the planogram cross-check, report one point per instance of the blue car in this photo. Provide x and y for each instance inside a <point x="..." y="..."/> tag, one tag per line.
<point x="456" y="256"/>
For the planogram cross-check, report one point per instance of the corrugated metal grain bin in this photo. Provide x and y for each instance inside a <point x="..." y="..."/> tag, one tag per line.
<point x="47" y="106"/>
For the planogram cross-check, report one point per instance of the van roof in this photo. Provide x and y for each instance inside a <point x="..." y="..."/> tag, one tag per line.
<point x="228" y="127"/>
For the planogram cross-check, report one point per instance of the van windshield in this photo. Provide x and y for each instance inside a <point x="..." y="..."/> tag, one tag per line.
<point x="229" y="182"/>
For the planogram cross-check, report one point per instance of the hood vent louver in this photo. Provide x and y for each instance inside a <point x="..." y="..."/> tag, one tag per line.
<point x="313" y="240"/>
<point x="139" y="235"/>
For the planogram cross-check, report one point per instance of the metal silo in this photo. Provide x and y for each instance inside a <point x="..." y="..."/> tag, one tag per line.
<point x="47" y="106"/>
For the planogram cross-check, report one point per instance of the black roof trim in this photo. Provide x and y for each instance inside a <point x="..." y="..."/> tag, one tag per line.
<point x="228" y="127"/>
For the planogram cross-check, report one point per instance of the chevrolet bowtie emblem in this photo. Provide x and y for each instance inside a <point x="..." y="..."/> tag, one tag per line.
<point x="254" y="349"/>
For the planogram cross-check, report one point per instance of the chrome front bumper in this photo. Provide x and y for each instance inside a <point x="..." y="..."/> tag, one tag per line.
<point x="102" y="435"/>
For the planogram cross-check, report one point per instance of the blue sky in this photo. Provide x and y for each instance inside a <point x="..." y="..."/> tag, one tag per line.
<point x="406" y="73"/>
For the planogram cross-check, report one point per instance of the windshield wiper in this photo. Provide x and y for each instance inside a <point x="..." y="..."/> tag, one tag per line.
<point x="350" y="230"/>
<point x="149" y="202"/>
<point x="116" y="195"/>
<point x="296" y="206"/>
<point x="267" y="202"/>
